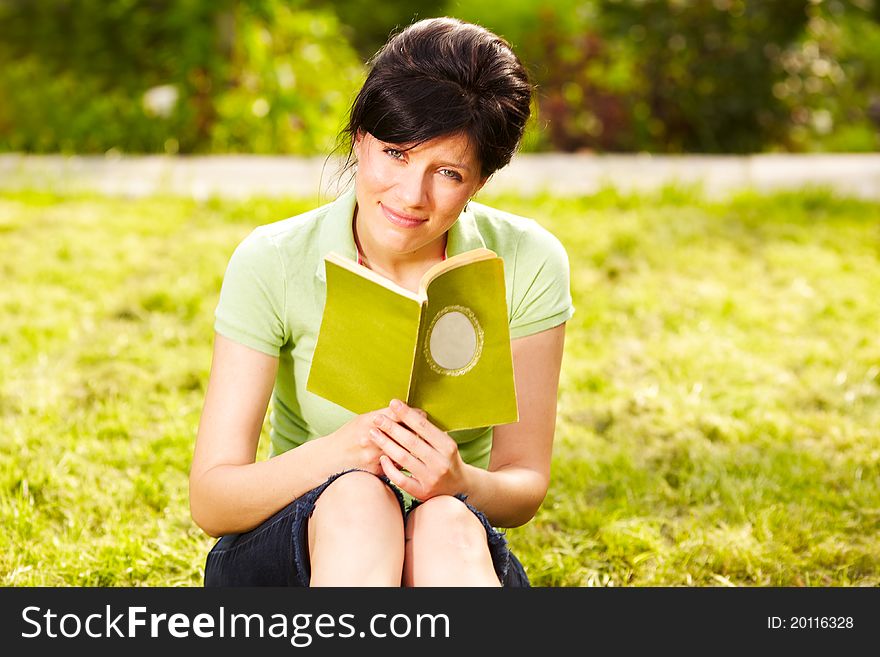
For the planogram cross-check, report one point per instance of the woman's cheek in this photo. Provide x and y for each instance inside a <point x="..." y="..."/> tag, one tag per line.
<point x="378" y="177"/>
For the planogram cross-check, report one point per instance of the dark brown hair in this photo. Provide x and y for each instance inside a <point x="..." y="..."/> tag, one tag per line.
<point x="442" y="76"/>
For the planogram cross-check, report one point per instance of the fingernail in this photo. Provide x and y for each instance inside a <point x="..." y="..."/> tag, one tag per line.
<point x="378" y="419"/>
<point x="396" y="404"/>
<point x="375" y="435"/>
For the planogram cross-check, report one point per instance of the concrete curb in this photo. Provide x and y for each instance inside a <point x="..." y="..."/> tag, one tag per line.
<point x="242" y="176"/>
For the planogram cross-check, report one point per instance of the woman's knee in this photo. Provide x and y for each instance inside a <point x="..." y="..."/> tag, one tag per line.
<point x="355" y="533"/>
<point x="356" y="499"/>
<point x="446" y="521"/>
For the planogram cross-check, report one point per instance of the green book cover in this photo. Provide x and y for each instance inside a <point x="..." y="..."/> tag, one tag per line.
<point x="445" y="349"/>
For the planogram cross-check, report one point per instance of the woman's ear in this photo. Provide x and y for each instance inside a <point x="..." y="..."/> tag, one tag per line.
<point x="482" y="182"/>
<point x="358" y="143"/>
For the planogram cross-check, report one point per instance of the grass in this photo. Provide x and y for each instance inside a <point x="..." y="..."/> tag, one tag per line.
<point x="719" y="409"/>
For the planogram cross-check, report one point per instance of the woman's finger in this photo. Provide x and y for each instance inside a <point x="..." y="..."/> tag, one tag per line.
<point x="396" y="477"/>
<point x="397" y="453"/>
<point x="410" y="441"/>
<point x="419" y="423"/>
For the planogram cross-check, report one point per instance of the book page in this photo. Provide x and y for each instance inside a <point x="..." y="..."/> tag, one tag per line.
<point x="459" y="260"/>
<point x="370" y="275"/>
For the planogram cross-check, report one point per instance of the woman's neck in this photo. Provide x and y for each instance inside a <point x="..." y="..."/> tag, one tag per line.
<point x="405" y="269"/>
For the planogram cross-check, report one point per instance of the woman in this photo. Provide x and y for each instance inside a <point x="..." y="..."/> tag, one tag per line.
<point x="443" y="108"/>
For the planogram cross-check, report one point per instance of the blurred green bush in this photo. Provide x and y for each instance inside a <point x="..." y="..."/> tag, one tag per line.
<point x="697" y="75"/>
<point x="829" y="80"/>
<point x="277" y="76"/>
<point x="189" y="76"/>
<point x="291" y="79"/>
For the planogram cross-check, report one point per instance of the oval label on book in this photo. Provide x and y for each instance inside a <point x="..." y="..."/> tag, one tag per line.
<point x="455" y="341"/>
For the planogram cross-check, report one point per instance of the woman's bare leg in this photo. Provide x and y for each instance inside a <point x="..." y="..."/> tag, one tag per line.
<point x="446" y="546"/>
<point x="356" y="534"/>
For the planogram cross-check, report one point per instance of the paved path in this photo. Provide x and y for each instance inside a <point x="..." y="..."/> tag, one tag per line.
<point x="528" y="174"/>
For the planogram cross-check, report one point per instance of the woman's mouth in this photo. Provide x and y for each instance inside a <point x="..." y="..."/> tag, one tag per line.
<point x="400" y="219"/>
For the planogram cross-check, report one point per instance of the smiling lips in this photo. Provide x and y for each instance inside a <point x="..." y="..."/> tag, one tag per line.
<point x="399" y="219"/>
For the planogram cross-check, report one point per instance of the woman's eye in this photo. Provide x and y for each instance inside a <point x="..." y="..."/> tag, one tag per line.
<point x="449" y="173"/>
<point x="393" y="152"/>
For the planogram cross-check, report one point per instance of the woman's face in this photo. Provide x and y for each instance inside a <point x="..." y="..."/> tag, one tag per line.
<point x="407" y="199"/>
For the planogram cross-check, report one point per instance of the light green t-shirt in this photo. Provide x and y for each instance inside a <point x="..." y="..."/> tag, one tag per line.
<point x="274" y="290"/>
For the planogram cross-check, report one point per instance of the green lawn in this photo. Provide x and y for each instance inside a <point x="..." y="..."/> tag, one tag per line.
<point x="719" y="415"/>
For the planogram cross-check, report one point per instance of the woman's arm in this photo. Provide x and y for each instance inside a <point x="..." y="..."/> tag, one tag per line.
<point x="513" y="488"/>
<point x="229" y="492"/>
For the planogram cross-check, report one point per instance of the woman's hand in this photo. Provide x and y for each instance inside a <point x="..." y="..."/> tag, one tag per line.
<point x="354" y="444"/>
<point x="411" y="442"/>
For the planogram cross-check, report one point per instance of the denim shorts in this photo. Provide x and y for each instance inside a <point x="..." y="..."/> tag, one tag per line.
<point x="276" y="553"/>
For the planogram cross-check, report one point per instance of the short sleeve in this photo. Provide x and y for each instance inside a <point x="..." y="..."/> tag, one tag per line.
<point x="252" y="298"/>
<point x="541" y="298"/>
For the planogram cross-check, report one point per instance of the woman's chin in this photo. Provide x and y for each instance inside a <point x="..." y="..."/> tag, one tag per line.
<point x="402" y="241"/>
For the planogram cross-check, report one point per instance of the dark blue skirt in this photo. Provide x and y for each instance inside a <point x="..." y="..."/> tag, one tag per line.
<point x="276" y="553"/>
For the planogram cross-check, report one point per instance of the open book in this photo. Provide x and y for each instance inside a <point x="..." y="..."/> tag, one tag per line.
<point x="445" y="349"/>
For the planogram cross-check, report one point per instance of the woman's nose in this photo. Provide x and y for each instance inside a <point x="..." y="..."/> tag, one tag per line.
<point x="412" y="188"/>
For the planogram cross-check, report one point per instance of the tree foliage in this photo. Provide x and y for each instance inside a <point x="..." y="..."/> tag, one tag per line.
<point x="172" y="75"/>
<point x="277" y="76"/>
<point x="367" y="25"/>
<point x="696" y="75"/>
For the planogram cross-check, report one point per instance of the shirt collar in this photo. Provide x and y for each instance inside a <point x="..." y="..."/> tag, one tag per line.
<point x="336" y="231"/>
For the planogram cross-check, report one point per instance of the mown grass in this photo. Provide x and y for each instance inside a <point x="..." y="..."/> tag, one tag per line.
<point x="719" y="415"/>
